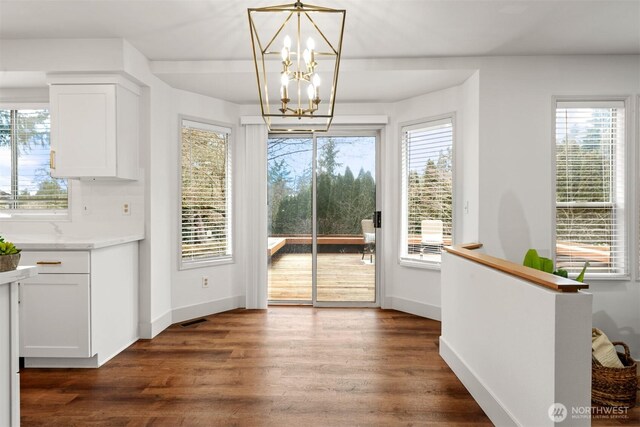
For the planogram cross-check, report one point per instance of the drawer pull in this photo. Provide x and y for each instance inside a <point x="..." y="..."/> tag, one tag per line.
<point x="49" y="262"/>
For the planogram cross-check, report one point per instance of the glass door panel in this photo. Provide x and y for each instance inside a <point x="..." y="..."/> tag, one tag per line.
<point x="290" y="224"/>
<point x="345" y="203"/>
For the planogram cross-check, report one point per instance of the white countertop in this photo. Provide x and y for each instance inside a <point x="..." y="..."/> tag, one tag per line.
<point x="18" y="274"/>
<point x="70" y="243"/>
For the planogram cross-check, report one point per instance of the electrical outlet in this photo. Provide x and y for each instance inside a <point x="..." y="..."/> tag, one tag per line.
<point x="126" y="208"/>
<point x="205" y="282"/>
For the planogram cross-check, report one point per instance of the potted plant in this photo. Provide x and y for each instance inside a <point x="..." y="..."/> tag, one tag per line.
<point x="533" y="260"/>
<point x="9" y="255"/>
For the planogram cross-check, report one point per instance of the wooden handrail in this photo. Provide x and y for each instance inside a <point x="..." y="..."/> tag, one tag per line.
<point x="538" y="277"/>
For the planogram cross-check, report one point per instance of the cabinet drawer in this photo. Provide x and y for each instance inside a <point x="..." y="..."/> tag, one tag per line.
<point x="57" y="261"/>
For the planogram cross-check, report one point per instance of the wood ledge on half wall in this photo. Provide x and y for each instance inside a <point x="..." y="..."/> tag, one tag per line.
<point x="551" y="281"/>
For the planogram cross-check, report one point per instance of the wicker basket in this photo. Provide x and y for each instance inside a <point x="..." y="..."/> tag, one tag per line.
<point x="615" y="386"/>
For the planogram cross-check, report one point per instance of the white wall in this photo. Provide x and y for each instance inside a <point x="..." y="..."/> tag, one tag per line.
<point x="410" y="288"/>
<point x="507" y="176"/>
<point x="516" y="369"/>
<point x="503" y="112"/>
<point x="516" y="192"/>
<point x="226" y="290"/>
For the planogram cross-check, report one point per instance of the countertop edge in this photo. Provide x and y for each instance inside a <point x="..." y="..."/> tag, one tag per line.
<point x="20" y="273"/>
<point x="84" y="244"/>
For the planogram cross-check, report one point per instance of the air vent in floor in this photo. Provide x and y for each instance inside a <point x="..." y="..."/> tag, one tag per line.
<point x="192" y="322"/>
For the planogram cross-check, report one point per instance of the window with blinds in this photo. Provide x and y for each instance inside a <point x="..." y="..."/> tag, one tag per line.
<point x="427" y="190"/>
<point x="206" y="193"/>
<point x="26" y="185"/>
<point x="590" y="187"/>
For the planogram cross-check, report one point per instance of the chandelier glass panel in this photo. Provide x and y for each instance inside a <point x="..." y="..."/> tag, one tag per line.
<point x="296" y="50"/>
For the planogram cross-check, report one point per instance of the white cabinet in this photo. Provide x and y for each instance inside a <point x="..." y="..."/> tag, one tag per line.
<point x="82" y="309"/>
<point x="94" y="131"/>
<point x="55" y="317"/>
<point x="9" y="373"/>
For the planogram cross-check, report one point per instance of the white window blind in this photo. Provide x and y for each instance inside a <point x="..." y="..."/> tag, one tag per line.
<point x="206" y="195"/>
<point x="427" y="191"/>
<point x="590" y="187"/>
<point x="25" y="177"/>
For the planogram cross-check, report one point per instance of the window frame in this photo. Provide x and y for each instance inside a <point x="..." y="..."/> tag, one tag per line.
<point x="27" y="215"/>
<point x="629" y="164"/>
<point x="403" y="260"/>
<point x="222" y="259"/>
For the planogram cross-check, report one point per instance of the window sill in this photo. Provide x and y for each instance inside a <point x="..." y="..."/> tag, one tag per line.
<point x="416" y="263"/>
<point x="612" y="278"/>
<point x="190" y="265"/>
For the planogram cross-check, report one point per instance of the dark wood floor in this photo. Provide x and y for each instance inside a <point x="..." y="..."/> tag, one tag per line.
<point x="286" y="366"/>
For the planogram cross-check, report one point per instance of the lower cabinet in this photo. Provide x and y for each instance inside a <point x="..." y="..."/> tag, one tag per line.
<point x="55" y="316"/>
<point x="82" y="307"/>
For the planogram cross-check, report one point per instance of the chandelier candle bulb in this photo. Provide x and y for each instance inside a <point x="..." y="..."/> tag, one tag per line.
<point x="311" y="93"/>
<point x="307" y="58"/>
<point x="316" y="85"/>
<point x="311" y="45"/>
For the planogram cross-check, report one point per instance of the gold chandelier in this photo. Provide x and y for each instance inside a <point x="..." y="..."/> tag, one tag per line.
<point x="294" y="64"/>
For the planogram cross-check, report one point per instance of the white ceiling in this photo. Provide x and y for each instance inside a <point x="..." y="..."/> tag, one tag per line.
<point x="196" y="30"/>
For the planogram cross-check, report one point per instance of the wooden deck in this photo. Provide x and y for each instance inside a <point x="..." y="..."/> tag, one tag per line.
<point x="341" y="277"/>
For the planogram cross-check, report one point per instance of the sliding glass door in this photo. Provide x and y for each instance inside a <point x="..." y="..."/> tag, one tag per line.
<point x="322" y="239"/>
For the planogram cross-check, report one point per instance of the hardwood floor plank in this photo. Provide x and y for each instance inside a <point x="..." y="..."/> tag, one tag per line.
<point x="286" y="366"/>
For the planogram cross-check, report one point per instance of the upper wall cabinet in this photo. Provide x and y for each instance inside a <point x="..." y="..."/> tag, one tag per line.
<point x="94" y="131"/>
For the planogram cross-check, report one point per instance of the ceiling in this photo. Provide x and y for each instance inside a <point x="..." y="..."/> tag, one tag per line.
<point x="198" y="30"/>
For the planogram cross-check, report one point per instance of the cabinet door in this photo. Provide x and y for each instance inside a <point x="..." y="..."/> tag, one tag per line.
<point x="55" y="316"/>
<point x="83" y="130"/>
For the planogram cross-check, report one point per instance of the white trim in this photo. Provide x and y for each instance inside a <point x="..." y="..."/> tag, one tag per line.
<point x="148" y="330"/>
<point x="629" y="205"/>
<point x="93" y="79"/>
<point x="61" y="362"/>
<point x="194" y="311"/>
<point x="591" y="103"/>
<point x="421" y="309"/>
<point x="337" y="120"/>
<point x="496" y="412"/>
<point x="439" y="119"/>
<point x="203" y="125"/>
<point x="18" y="105"/>
<point x="416" y="263"/>
<point x="210" y="262"/>
<point x="229" y="130"/>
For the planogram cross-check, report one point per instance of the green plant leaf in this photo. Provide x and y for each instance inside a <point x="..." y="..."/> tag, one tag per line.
<point x="546" y="265"/>
<point x="562" y="273"/>
<point x="580" y="277"/>
<point x="531" y="259"/>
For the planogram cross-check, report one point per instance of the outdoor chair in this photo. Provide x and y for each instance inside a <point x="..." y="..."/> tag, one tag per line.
<point x="369" y="237"/>
<point x="432" y="236"/>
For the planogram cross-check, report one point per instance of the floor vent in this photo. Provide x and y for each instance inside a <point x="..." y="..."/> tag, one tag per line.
<point x="192" y="322"/>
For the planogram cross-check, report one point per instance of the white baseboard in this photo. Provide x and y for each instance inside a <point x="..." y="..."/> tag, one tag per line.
<point x="418" y="308"/>
<point x="61" y="362"/>
<point x="490" y="405"/>
<point x="206" y="308"/>
<point x="148" y="330"/>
